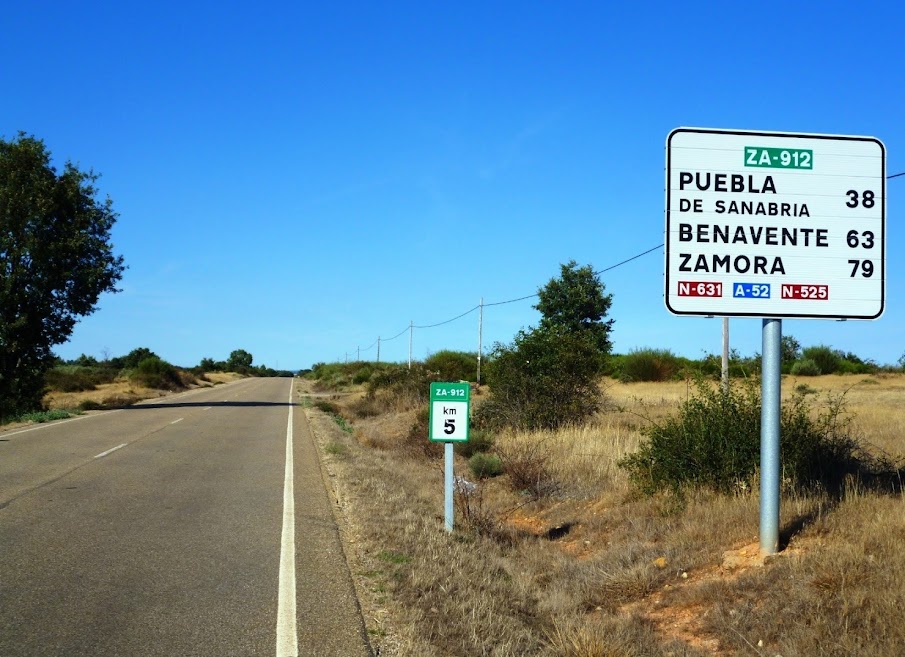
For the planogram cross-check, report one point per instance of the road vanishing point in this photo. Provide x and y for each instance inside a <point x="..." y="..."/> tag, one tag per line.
<point x="193" y="525"/>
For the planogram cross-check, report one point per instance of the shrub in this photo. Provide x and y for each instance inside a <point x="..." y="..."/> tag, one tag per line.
<point x="805" y="367"/>
<point x="75" y="378"/>
<point x="527" y="465"/>
<point x="827" y="359"/>
<point x="327" y="406"/>
<point x="453" y="365"/>
<point x="714" y="442"/>
<point x="416" y="443"/>
<point x="154" y="372"/>
<point x="479" y="440"/>
<point x="406" y="388"/>
<point x="649" y="365"/>
<point x="483" y="465"/>
<point x="362" y="375"/>
<point x="39" y="417"/>
<point x="545" y="379"/>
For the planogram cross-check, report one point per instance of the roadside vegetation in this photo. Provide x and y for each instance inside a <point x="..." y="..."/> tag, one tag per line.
<point x="87" y="384"/>
<point x="625" y="520"/>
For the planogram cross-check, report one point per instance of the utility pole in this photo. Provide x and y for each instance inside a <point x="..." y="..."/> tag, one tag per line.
<point x="480" y="336"/>
<point x="411" y="331"/>
<point x="378" y="350"/>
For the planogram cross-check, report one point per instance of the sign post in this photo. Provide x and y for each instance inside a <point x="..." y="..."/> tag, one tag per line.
<point x="449" y="414"/>
<point x="774" y="225"/>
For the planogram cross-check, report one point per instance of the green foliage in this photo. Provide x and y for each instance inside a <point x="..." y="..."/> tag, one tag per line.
<point x="239" y="361"/>
<point x="39" y="417"/>
<point x="485" y="466"/>
<point x="575" y="303"/>
<point x="790" y="350"/>
<point x="479" y="440"/>
<point x="714" y="442"/>
<point x="805" y="367"/>
<point x="134" y="357"/>
<point x="74" y="378"/>
<point x="56" y="259"/>
<point x="826" y="358"/>
<point x="406" y="387"/>
<point x="453" y="365"/>
<point x="545" y="379"/>
<point x="649" y="365"/>
<point x="153" y="372"/>
<point x="210" y="365"/>
<point x="363" y="375"/>
<point x="337" y="449"/>
<point x="336" y="376"/>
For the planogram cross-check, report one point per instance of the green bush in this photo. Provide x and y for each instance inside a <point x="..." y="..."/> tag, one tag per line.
<point x="545" y="379"/>
<point x="154" y="372"/>
<point x="362" y="375"/>
<point x="827" y="359"/>
<point x="407" y="388"/>
<point x="805" y="367"/>
<point x="714" y="442"/>
<point x="453" y="365"/>
<point x="479" y="440"/>
<point x="484" y="466"/>
<point x="649" y="365"/>
<point x="75" y="378"/>
<point x="39" y="417"/>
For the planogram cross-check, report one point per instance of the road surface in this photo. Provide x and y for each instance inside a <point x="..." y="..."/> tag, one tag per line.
<point x="198" y="524"/>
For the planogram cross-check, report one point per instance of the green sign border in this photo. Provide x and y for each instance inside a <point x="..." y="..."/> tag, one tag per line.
<point x="461" y="392"/>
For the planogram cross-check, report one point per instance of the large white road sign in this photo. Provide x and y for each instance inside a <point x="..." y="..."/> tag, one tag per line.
<point x="770" y="224"/>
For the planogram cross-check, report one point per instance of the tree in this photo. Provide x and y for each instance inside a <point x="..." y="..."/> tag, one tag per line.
<point x="239" y="360"/>
<point x="790" y="350"/>
<point x="548" y="376"/>
<point x="545" y="379"/>
<point x="56" y="259"/>
<point x="576" y="303"/>
<point x="136" y="356"/>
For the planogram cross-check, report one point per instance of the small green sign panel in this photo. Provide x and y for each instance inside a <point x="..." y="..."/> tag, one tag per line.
<point x="779" y="158"/>
<point x="449" y="412"/>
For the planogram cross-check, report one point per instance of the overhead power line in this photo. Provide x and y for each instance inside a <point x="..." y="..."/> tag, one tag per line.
<point x="531" y="296"/>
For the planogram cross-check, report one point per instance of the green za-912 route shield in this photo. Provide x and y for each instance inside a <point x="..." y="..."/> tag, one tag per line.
<point x="449" y="412"/>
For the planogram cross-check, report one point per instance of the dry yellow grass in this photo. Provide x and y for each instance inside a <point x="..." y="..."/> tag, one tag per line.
<point x="596" y="569"/>
<point x="122" y="392"/>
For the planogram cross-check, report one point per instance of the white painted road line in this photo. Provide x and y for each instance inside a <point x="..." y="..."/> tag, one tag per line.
<point x="176" y="421"/>
<point x="207" y="409"/>
<point x="287" y="634"/>
<point x="109" y="451"/>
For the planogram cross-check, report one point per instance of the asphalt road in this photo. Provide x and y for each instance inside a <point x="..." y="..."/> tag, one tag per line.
<point x="160" y="530"/>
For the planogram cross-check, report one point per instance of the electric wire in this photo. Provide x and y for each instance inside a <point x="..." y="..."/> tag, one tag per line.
<point x="531" y="296"/>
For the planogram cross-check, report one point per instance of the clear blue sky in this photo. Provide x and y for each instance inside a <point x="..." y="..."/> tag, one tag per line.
<point x="297" y="179"/>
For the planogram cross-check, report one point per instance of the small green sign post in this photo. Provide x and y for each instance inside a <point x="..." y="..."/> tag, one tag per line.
<point x="449" y="414"/>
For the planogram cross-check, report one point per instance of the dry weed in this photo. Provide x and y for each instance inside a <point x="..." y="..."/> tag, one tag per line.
<point x="597" y="570"/>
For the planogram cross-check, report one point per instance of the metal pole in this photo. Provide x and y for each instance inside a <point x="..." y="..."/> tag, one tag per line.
<point x="378" y="350"/>
<point x="448" y="485"/>
<point x="480" y="336"/>
<point x="725" y="354"/>
<point x="771" y="405"/>
<point x="357" y="354"/>
<point x="411" y="332"/>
